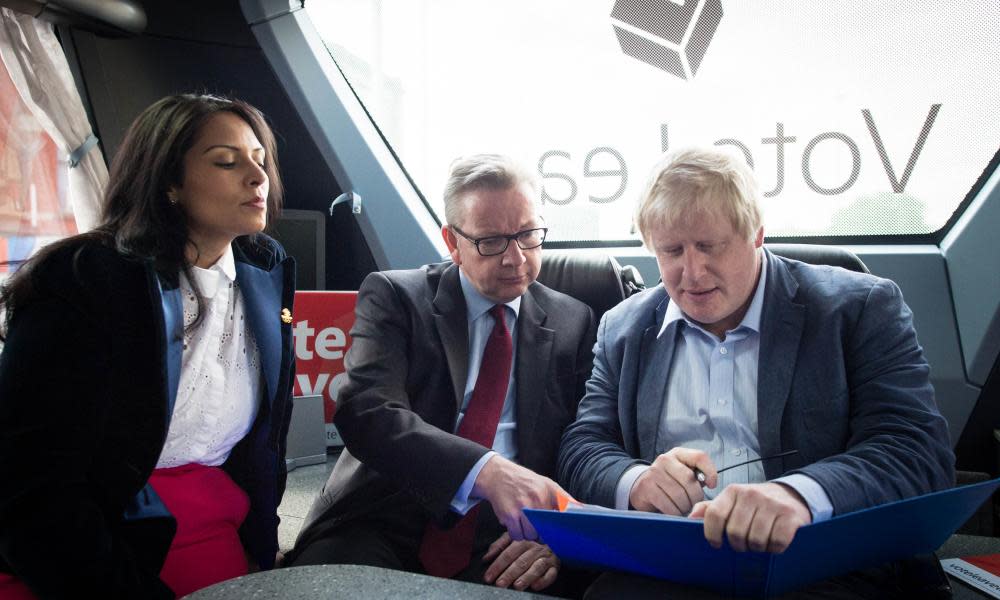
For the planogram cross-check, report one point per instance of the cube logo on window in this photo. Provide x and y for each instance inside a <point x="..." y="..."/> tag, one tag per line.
<point x="672" y="35"/>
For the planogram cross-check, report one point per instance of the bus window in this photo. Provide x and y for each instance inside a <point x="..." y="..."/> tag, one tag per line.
<point x="34" y="207"/>
<point x="860" y="120"/>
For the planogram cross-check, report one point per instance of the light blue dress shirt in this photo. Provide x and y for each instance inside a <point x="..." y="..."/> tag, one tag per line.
<point x="712" y="405"/>
<point x="480" y="327"/>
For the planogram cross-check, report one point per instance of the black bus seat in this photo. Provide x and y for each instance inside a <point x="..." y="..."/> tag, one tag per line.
<point x="595" y="279"/>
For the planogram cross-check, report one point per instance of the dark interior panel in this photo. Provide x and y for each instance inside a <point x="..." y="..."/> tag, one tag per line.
<point x="193" y="46"/>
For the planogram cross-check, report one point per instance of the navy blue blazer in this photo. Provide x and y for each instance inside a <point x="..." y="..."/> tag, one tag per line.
<point x="841" y="379"/>
<point x="88" y="378"/>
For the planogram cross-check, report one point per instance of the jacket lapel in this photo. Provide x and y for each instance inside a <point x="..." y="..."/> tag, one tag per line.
<point x="534" y="350"/>
<point x="261" y="292"/>
<point x="781" y="326"/>
<point x="173" y="321"/>
<point x="655" y="357"/>
<point x="451" y="321"/>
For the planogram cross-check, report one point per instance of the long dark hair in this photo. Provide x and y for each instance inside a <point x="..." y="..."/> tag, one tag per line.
<point x="137" y="218"/>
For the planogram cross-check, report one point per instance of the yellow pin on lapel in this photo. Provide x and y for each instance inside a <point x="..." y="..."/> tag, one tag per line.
<point x="286" y="316"/>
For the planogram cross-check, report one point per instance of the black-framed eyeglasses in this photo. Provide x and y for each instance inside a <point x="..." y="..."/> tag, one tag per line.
<point x="497" y="244"/>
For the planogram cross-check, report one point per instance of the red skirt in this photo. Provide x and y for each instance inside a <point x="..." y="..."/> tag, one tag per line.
<point x="12" y="588"/>
<point x="209" y="508"/>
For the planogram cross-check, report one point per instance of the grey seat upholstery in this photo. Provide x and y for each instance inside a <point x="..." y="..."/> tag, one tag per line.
<point x="594" y="279"/>
<point x="816" y="254"/>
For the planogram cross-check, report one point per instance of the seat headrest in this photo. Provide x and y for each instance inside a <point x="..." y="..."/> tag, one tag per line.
<point x="594" y="279"/>
<point x="816" y="254"/>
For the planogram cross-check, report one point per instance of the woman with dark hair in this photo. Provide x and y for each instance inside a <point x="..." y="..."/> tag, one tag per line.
<point x="145" y="382"/>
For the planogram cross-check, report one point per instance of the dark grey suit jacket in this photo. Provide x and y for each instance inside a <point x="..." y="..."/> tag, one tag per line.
<point x="406" y="374"/>
<point x="841" y="379"/>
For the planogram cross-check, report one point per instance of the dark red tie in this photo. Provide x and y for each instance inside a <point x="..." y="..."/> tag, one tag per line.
<point x="445" y="552"/>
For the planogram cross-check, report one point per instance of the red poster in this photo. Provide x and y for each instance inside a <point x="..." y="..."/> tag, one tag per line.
<point x="323" y="322"/>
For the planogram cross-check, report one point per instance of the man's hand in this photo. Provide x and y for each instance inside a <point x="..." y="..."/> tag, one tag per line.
<point x="509" y="488"/>
<point x="521" y="564"/>
<point x="762" y="517"/>
<point x="669" y="485"/>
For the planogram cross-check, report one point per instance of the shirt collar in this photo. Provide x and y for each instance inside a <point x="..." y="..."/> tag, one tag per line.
<point x="751" y="320"/>
<point x="476" y="304"/>
<point x="223" y="271"/>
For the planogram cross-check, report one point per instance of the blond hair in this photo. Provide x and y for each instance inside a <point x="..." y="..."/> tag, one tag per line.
<point x="699" y="181"/>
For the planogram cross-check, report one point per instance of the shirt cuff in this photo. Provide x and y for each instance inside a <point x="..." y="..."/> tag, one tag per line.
<point x="461" y="502"/>
<point x="812" y="492"/>
<point x="625" y="485"/>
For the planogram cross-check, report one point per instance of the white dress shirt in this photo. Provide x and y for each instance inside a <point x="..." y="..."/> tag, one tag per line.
<point x="219" y="391"/>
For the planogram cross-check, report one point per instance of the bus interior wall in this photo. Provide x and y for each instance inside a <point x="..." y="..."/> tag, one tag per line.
<point x="207" y="47"/>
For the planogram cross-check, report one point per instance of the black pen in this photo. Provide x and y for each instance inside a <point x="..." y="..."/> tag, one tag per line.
<point x="700" y="476"/>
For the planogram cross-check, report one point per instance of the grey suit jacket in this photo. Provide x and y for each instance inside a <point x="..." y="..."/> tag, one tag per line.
<point x="841" y="379"/>
<point x="406" y="374"/>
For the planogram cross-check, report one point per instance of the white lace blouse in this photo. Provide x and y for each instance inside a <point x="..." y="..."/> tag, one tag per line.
<point x="219" y="392"/>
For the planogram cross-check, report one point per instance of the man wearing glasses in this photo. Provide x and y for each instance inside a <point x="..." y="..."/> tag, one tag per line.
<point x="752" y="391"/>
<point x="460" y="380"/>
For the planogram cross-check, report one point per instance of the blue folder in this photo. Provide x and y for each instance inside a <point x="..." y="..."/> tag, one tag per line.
<point x="675" y="549"/>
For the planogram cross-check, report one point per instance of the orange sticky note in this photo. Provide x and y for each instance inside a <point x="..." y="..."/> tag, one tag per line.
<point x="563" y="501"/>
